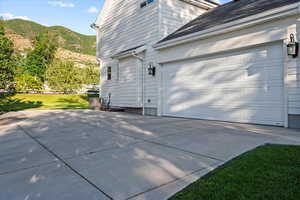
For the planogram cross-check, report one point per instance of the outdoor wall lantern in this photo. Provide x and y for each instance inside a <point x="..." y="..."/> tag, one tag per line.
<point x="292" y="47"/>
<point x="151" y="69"/>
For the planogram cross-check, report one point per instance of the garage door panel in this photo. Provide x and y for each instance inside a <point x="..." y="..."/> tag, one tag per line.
<point x="253" y="74"/>
<point x="262" y="94"/>
<point x="245" y="86"/>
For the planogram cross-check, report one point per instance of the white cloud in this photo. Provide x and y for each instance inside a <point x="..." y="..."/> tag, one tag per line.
<point x="8" y="16"/>
<point x="61" y="4"/>
<point x="93" y="9"/>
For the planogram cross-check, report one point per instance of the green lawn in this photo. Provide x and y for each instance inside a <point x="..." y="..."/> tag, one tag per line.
<point x="270" y="172"/>
<point x="43" y="102"/>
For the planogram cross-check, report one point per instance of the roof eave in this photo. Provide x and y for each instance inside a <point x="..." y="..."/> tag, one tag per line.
<point x="129" y="53"/>
<point x="277" y="13"/>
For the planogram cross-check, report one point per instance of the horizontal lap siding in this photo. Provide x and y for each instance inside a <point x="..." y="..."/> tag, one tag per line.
<point x="293" y="81"/>
<point x="125" y="25"/>
<point x="172" y="15"/>
<point x="127" y="93"/>
<point x="175" y="14"/>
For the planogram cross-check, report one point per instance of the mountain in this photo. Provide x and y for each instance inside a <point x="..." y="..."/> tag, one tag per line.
<point x="68" y="39"/>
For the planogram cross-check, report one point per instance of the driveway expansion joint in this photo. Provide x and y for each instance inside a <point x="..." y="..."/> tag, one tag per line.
<point x="26" y="168"/>
<point x="164" y="184"/>
<point x="179" y="149"/>
<point x="102" y="150"/>
<point x="64" y="162"/>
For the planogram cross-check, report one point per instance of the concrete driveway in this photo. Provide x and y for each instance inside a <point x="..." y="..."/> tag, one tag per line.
<point x="70" y="155"/>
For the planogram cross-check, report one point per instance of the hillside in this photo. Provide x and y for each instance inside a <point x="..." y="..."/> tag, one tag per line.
<point x="68" y="39"/>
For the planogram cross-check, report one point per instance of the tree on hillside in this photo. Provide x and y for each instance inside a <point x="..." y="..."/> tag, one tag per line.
<point x="43" y="53"/>
<point x="7" y="61"/>
<point x="64" y="76"/>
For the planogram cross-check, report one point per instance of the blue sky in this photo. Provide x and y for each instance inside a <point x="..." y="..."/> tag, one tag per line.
<point x="74" y="14"/>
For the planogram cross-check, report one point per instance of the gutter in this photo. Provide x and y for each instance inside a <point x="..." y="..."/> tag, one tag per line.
<point x="98" y="42"/>
<point x="270" y="15"/>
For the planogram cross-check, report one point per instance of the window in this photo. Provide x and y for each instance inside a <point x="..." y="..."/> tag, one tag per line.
<point x="118" y="70"/>
<point x="143" y="4"/>
<point x="108" y="73"/>
<point x="146" y="3"/>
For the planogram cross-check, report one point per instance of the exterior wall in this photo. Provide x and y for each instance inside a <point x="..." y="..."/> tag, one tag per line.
<point x="124" y="25"/>
<point x="174" y="14"/>
<point x="293" y="81"/>
<point x="278" y="30"/>
<point x="126" y="86"/>
<point x="256" y="35"/>
<point x="293" y="73"/>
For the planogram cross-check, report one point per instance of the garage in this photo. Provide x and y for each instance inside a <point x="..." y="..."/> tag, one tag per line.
<point x="244" y="86"/>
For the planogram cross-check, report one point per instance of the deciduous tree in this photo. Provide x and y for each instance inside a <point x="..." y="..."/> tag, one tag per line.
<point x="27" y="82"/>
<point x="64" y="76"/>
<point x="42" y="55"/>
<point x="91" y="75"/>
<point x="7" y="60"/>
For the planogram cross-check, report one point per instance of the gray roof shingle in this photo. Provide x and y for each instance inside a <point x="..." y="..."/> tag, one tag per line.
<point x="226" y="13"/>
<point x="210" y="1"/>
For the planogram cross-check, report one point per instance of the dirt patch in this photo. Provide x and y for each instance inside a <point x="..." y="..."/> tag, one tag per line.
<point x="20" y="43"/>
<point x="66" y="54"/>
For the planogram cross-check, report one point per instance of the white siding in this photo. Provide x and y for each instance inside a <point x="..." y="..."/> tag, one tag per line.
<point x="174" y="14"/>
<point x="128" y="94"/>
<point x="124" y="25"/>
<point x="293" y="79"/>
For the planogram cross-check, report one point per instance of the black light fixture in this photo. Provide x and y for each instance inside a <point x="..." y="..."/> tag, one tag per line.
<point x="151" y="69"/>
<point x="292" y="47"/>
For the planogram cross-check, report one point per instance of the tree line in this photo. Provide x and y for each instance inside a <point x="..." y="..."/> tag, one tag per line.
<point x="31" y="70"/>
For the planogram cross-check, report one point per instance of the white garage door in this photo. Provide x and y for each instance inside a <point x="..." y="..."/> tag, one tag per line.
<point x="244" y="86"/>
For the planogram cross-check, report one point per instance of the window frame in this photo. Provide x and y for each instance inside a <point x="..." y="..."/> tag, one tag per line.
<point x="108" y="73"/>
<point x="118" y="70"/>
<point x="145" y="3"/>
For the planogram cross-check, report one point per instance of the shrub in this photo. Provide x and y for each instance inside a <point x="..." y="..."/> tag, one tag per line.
<point x="28" y="82"/>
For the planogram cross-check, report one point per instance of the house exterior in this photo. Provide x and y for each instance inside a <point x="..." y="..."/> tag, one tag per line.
<point x="217" y="62"/>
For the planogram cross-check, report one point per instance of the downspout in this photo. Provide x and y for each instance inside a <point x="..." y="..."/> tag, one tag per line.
<point x="143" y="80"/>
<point x="98" y="46"/>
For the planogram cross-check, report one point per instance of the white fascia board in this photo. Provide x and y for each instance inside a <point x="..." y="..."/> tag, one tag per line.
<point x="264" y="17"/>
